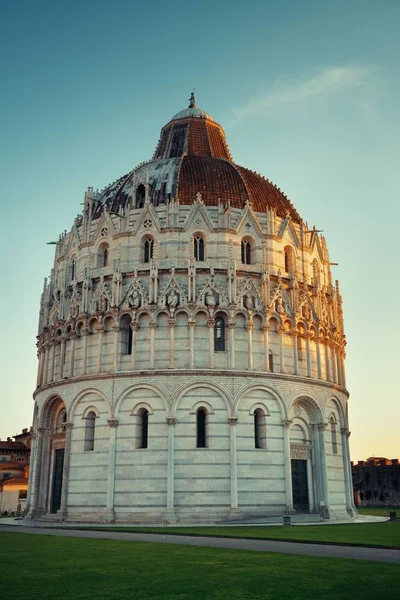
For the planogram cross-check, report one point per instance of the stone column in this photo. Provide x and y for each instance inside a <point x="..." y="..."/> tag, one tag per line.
<point x="134" y="327"/>
<point x="85" y="333"/>
<point x="72" y="354"/>
<point x="46" y="365"/>
<point x="172" y="324"/>
<point x="343" y="370"/>
<point x="231" y="329"/>
<point x="52" y="355"/>
<point x="152" y="343"/>
<point x="63" y="510"/>
<point x="116" y="330"/>
<point x="295" y="351"/>
<point x="211" y="325"/>
<point x="282" y="348"/>
<point x="288" y="465"/>
<point x="250" y="327"/>
<point x="62" y="357"/>
<point x="348" y="480"/>
<point x="36" y="478"/>
<point x="319" y="370"/>
<point x="100" y="332"/>
<point x="32" y="466"/>
<point x="39" y="378"/>
<point x="192" y="325"/>
<point x="308" y="354"/>
<point x="327" y="369"/>
<point x="338" y="367"/>
<point x="316" y="466"/>
<point x="324" y="469"/>
<point x="233" y="460"/>
<point x="170" y="515"/>
<point x="334" y="372"/>
<point x="109" y="512"/>
<point x="266" y="346"/>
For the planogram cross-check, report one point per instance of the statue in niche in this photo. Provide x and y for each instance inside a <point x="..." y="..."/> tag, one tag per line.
<point x="210" y="301"/>
<point x="172" y="301"/>
<point x="248" y="301"/>
<point x="134" y="299"/>
<point x="280" y="307"/>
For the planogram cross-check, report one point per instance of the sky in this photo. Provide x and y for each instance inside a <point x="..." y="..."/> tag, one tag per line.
<point x="308" y="95"/>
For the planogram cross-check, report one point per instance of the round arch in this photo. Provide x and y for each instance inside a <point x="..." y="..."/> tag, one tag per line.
<point x="211" y="386"/>
<point x="139" y="386"/>
<point x="83" y="393"/>
<point x="246" y="388"/>
<point x="309" y="404"/>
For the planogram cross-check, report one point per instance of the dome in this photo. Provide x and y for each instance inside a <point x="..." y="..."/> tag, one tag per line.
<point x="195" y="113"/>
<point x="192" y="156"/>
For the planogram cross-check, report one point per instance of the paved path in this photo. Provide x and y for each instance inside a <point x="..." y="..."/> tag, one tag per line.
<point x="374" y="554"/>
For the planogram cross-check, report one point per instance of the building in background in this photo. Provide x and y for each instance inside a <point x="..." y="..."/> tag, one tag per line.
<point x="14" y="470"/>
<point x="376" y="482"/>
<point x="191" y="349"/>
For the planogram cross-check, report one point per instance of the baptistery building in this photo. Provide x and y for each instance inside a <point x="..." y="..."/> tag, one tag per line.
<point x="191" y="350"/>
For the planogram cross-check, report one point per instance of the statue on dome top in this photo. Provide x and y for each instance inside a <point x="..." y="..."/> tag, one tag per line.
<point x="192" y="101"/>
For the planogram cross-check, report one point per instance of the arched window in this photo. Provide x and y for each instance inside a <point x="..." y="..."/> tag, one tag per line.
<point x="140" y="196"/>
<point x="103" y="255"/>
<point x="143" y="428"/>
<point x="219" y="335"/>
<point x="246" y="252"/>
<point x="333" y="435"/>
<point x="201" y="424"/>
<point x="260" y="429"/>
<point x="126" y="335"/>
<point x="271" y="361"/>
<point x="90" y="431"/>
<point x="148" y="250"/>
<point x="198" y="248"/>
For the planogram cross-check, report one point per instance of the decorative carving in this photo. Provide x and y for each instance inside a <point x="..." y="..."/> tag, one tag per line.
<point x="170" y="421"/>
<point x="232" y="421"/>
<point x="113" y="422"/>
<point x="297" y="410"/>
<point x="300" y="451"/>
<point x="286" y="423"/>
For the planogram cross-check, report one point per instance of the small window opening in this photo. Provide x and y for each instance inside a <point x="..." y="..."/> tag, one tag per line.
<point x="198" y="248"/>
<point x="143" y="428"/>
<point x="148" y="250"/>
<point x="271" y="361"/>
<point x="73" y="269"/>
<point x="334" y="437"/>
<point x="259" y="429"/>
<point x="300" y="348"/>
<point x="90" y="431"/>
<point x="219" y="335"/>
<point x="140" y="196"/>
<point x="246" y="252"/>
<point x="201" y="428"/>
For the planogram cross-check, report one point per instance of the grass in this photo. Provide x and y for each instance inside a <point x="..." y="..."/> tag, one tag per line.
<point x="379" y="511"/>
<point x="369" y="534"/>
<point x="46" y="567"/>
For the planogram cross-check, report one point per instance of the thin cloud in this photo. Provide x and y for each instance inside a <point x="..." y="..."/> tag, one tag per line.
<point x="297" y="94"/>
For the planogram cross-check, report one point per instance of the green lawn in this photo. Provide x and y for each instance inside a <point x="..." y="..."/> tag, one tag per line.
<point x="381" y="511"/>
<point x="44" y="567"/>
<point x="369" y="534"/>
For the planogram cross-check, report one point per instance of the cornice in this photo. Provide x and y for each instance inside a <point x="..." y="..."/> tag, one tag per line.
<point x="206" y="373"/>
